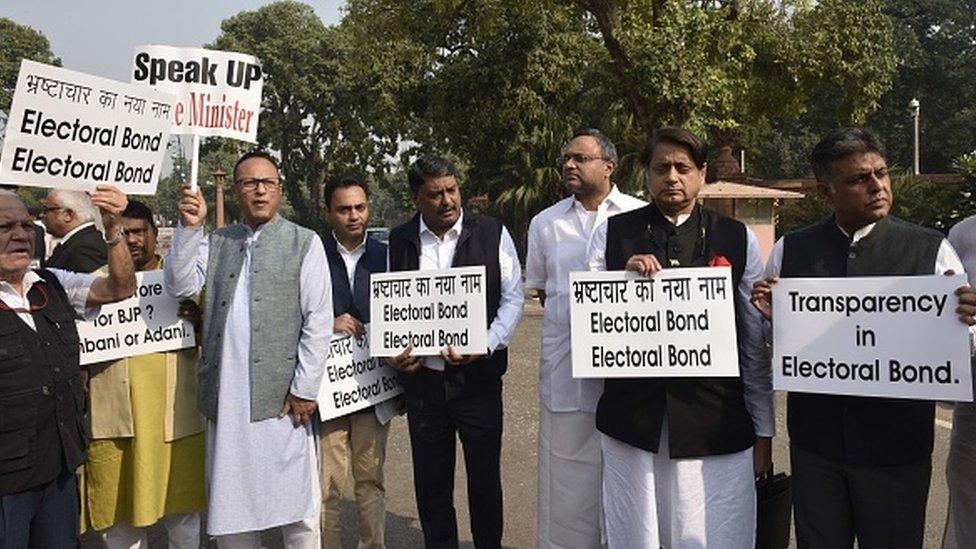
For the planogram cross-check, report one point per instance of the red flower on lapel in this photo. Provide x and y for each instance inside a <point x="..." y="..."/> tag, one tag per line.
<point x="719" y="261"/>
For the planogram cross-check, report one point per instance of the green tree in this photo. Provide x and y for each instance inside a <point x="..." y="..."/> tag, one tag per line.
<point x="18" y="42"/>
<point x="314" y="110"/>
<point x="936" y="40"/>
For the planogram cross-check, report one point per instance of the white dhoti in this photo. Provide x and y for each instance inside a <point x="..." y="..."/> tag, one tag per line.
<point x="652" y="501"/>
<point x="570" y="471"/>
<point x="960" y="530"/>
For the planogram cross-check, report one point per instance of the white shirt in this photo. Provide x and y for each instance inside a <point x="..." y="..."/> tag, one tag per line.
<point x="558" y="239"/>
<point x="962" y="237"/>
<point x="350" y="258"/>
<point x="384" y="410"/>
<point x="754" y="362"/>
<point x="438" y="253"/>
<point x="76" y="286"/>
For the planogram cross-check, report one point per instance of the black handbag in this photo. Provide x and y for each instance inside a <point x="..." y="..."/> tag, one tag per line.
<point x="774" y="503"/>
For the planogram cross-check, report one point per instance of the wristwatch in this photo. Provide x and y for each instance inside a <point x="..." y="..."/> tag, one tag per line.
<point x="118" y="238"/>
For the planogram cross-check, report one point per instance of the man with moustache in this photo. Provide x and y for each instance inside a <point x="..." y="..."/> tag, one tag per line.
<point x="680" y="455"/>
<point x="861" y="465"/>
<point x="145" y="462"/>
<point x="358" y="439"/>
<point x="70" y="216"/>
<point x="42" y="397"/>
<point x="570" y="463"/>
<point x="456" y="395"/>
<point x="266" y="330"/>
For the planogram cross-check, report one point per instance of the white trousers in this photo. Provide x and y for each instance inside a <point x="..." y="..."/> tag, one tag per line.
<point x="303" y="534"/>
<point x="960" y="528"/>
<point x="183" y="532"/>
<point x="652" y="501"/>
<point x="570" y="481"/>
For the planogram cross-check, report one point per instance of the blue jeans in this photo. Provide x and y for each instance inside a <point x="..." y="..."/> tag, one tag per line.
<point x="43" y="517"/>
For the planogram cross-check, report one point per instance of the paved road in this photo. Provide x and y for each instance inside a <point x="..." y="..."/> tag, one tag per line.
<point x="519" y="461"/>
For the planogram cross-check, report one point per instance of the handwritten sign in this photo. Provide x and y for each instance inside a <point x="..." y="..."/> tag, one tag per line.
<point x="894" y="337"/>
<point x="70" y="130"/>
<point x="429" y="310"/>
<point x="218" y="93"/>
<point x="354" y="381"/>
<point x="680" y="323"/>
<point x="145" y="323"/>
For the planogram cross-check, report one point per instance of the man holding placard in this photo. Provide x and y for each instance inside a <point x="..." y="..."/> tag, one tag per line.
<point x="266" y="331"/>
<point x="353" y="256"/>
<point x="861" y="465"/>
<point x="42" y="397"/>
<point x="453" y="394"/>
<point x="145" y="462"/>
<point x="570" y="462"/>
<point x="680" y="453"/>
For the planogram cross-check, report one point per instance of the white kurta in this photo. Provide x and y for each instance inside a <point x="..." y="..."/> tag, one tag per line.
<point x="259" y="474"/>
<point x="651" y="500"/>
<point x="570" y="463"/>
<point x="961" y="464"/>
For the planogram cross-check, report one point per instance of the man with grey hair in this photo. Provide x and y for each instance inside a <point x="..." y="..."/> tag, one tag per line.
<point x="42" y="397"/>
<point x="70" y="216"/>
<point x="570" y="478"/>
<point x="861" y="465"/>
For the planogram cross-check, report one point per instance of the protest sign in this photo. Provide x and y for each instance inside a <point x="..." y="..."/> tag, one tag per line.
<point x="429" y="310"/>
<point x="353" y="380"/>
<point x="678" y="323"/>
<point x="894" y="337"/>
<point x="145" y="323"/>
<point x="218" y="93"/>
<point x="70" y="130"/>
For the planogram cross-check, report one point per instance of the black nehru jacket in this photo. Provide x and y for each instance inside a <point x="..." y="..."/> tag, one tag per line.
<point x="84" y="252"/>
<point x="706" y="416"/>
<point x="355" y="302"/>
<point x="477" y="245"/>
<point x="42" y="401"/>
<point x="864" y="431"/>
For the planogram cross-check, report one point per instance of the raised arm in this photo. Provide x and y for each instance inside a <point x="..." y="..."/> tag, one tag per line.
<point x="185" y="269"/>
<point x="121" y="280"/>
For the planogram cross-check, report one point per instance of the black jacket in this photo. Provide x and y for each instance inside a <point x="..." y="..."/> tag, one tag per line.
<point x="84" y="252"/>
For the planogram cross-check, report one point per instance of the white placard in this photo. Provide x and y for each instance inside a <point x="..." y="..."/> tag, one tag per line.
<point x="880" y="336"/>
<point x="70" y="130"/>
<point x="679" y="323"/>
<point x="429" y="310"/>
<point x="218" y="93"/>
<point x="145" y="323"/>
<point x="353" y="380"/>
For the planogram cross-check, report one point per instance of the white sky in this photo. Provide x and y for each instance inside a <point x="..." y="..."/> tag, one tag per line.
<point x="97" y="36"/>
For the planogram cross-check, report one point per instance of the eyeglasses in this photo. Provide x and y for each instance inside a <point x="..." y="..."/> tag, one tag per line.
<point x="576" y="158"/>
<point x="251" y="184"/>
<point x="8" y="227"/>
<point x="48" y="209"/>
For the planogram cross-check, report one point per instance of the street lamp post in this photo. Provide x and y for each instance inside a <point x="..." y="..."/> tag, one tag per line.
<point x="913" y="107"/>
<point x="219" y="176"/>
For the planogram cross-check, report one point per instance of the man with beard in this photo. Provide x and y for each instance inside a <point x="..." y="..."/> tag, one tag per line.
<point x="861" y="465"/>
<point x="266" y="330"/>
<point x="145" y="462"/>
<point x="42" y="397"/>
<point x="456" y="395"/>
<point x="356" y="440"/>
<point x="680" y="455"/>
<point x="570" y="463"/>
